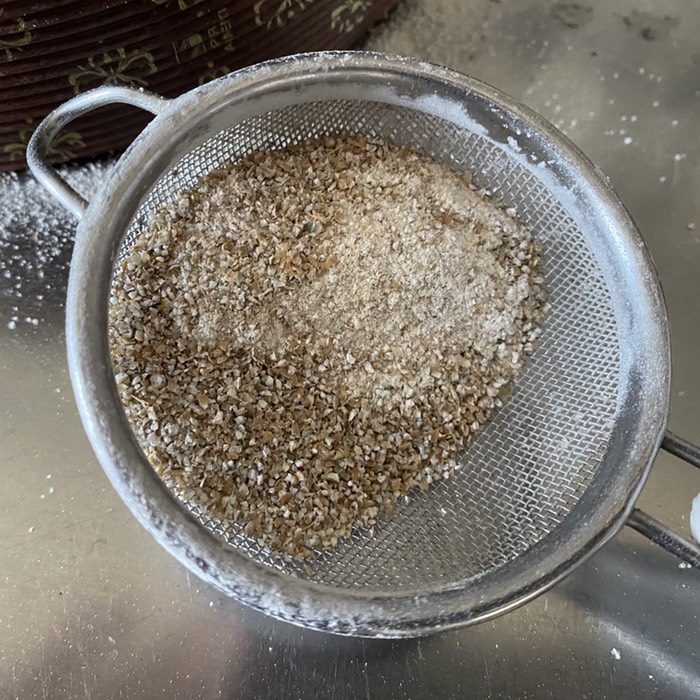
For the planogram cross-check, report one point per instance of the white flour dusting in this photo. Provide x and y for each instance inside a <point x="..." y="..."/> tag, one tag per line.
<point x="36" y="240"/>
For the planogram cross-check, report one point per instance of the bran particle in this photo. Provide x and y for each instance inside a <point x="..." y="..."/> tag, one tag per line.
<point x="310" y="332"/>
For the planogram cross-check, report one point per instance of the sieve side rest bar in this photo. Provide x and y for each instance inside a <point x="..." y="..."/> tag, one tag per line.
<point x="666" y="538"/>
<point x="39" y="145"/>
<point x="655" y="530"/>
<point x="681" y="448"/>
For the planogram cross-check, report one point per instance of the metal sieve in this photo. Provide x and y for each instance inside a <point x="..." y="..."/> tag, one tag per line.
<point x="552" y="476"/>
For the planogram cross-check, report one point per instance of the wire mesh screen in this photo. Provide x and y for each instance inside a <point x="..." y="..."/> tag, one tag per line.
<point x="522" y="475"/>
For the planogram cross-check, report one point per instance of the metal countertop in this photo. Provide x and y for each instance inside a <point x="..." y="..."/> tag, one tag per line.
<point x="91" y="607"/>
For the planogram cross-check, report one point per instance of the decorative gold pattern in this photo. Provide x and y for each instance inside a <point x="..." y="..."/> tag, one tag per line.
<point x="349" y="15"/>
<point x="10" y="45"/>
<point x="213" y="72"/>
<point x="193" y="44"/>
<point x="219" y="34"/>
<point x="182" y="4"/>
<point x="63" y="147"/>
<point x="115" y="67"/>
<point x="276" y="13"/>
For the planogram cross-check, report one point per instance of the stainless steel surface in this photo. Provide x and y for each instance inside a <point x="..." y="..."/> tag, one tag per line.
<point x="91" y="607"/>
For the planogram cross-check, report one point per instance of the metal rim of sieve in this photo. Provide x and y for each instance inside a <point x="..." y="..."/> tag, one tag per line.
<point x="184" y="123"/>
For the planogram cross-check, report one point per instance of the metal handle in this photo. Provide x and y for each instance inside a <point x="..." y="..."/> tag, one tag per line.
<point x="656" y="531"/>
<point x="45" y="133"/>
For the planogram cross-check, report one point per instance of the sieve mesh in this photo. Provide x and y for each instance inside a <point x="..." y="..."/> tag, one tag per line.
<point x="526" y="470"/>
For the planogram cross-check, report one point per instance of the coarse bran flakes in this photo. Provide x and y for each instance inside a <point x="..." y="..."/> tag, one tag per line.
<point x="310" y="332"/>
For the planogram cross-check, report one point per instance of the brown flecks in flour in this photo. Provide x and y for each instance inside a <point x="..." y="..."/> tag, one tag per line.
<point x="311" y="332"/>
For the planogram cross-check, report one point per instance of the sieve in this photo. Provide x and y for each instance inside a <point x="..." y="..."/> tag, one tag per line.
<point x="556" y="471"/>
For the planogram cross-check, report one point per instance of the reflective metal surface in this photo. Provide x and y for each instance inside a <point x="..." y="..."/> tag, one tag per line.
<point x="90" y="606"/>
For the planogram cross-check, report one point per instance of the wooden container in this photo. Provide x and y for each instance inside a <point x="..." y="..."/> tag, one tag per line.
<point x="51" y="50"/>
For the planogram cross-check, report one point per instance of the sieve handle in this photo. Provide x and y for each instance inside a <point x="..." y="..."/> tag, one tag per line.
<point x="656" y="531"/>
<point x="40" y="143"/>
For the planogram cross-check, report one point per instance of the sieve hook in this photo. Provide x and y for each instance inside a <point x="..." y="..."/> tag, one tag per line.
<point x="41" y="139"/>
